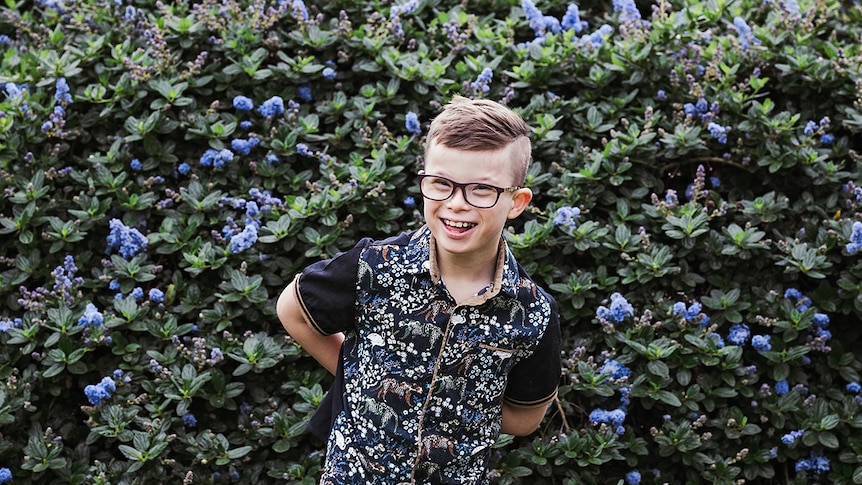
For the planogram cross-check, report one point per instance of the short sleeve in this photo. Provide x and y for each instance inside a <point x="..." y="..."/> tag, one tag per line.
<point x="326" y="291"/>
<point x="534" y="380"/>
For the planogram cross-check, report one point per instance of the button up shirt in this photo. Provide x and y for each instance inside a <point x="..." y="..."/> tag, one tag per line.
<point x="421" y="381"/>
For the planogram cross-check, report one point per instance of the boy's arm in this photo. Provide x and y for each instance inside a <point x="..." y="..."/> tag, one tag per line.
<point x="522" y="420"/>
<point x="324" y="348"/>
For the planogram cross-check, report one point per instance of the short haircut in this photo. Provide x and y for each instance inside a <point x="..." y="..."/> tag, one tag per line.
<point x="482" y="125"/>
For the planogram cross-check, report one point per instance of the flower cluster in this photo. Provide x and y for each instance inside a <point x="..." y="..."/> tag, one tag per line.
<point x="412" y="123"/>
<point x="216" y="158"/>
<point x="102" y="390"/>
<point x="91" y="316"/>
<point x="627" y="9"/>
<point x="813" y="128"/>
<point x="6" y="324"/>
<point x="855" y="243"/>
<point x="244" y="146"/>
<point x="272" y="107"/>
<point x="127" y="240"/>
<point x="619" y="310"/>
<point x="404" y="9"/>
<point x="615" y="370"/>
<point x="482" y="83"/>
<point x="614" y="418"/>
<point x="746" y="36"/>
<point x="815" y="463"/>
<point x="761" y="343"/>
<point x="692" y="314"/>
<point x="572" y="19"/>
<point x="566" y="218"/>
<point x="5" y="475"/>
<point x="791" y="437"/>
<point x="738" y="334"/>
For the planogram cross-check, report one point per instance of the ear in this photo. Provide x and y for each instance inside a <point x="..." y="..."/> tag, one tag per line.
<point x="520" y="199"/>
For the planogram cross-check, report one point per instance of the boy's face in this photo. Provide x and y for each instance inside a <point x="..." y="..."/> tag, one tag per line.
<point x="460" y="229"/>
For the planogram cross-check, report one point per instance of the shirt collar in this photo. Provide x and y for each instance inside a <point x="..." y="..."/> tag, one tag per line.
<point x="423" y="250"/>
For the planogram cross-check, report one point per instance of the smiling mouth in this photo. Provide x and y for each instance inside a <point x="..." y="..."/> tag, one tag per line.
<point x="462" y="226"/>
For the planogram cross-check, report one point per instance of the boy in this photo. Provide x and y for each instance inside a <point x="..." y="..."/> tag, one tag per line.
<point x="438" y="339"/>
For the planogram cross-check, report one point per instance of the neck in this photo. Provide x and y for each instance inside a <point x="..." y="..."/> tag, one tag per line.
<point x="466" y="274"/>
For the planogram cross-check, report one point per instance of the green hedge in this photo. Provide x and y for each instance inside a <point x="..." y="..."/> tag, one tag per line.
<point x="697" y="179"/>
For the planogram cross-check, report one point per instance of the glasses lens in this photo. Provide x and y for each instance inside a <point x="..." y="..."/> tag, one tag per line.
<point x="436" y="188"/>
<point x="482" y="196"/>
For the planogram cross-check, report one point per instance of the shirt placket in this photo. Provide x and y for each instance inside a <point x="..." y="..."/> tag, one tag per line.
<point x="455" y="318"/>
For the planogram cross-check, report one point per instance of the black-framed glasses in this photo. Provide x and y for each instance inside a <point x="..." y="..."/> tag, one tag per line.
<point x="479" y="195"/>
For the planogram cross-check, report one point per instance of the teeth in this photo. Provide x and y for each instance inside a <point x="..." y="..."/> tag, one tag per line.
<point x="460" y="225"/>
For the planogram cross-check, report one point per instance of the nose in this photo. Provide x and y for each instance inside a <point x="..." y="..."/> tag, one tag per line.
<point x="458" y="200"/>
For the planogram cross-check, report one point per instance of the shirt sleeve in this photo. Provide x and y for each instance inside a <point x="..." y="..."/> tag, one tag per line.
<point x="326" y="291"/>
<point x="534" y="380"/>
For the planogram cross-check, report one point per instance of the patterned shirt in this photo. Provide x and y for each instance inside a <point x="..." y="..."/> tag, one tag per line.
<point x="421" y="381"/>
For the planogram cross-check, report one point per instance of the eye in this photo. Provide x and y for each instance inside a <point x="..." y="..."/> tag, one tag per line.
<point x="480" y="189"/>
<point x="440" y="183"/>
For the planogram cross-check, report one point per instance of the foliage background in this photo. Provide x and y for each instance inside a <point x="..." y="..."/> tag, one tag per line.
<point x="696" y="172"/>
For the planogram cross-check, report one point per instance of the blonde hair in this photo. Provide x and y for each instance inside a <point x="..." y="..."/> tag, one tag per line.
<point x="480" y="125"/>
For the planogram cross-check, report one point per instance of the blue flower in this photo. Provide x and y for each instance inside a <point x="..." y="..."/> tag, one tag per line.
<point x="614" y="369"/>
<point x="620" y="309"/>
<point x="761" y="343"/>
<point x="566" y="217"/>
<point x="412" y="123"/>
<point x="156" y="295"/>
<point x="661" y="95"/>
<point x="827" y="139"/>
<point x="481" y="84"/>
<point x="297" y="7"/>
<point x="302" y="149"/>
<point x="243" y="103"/>
<point x="245" y="124"/>
<point x="244" y="239"/>
<point x="127" y="240"/>
<point x="814" y="463"/>
<point x="614" y="418"/>
<point x="810" y="127"/>
<point x="304" y="93"/>
<point x="738" y="334"/>
<point x="689" y="109"/>
<point x="409" y="202"/>
<point x="91" y="316"/>
<point x="184" y="168"/>
<point x="597" y="37"/>
<point x="222" y="157"/>
<point x="855" y="243"/>
<point x="189" y="420"/>
<point x="5" y="475"/>
<point x="130" y="13"/>
<point x="718" y="132"/>
<point x="244" y="147"/>
<point x="405" y="9"/>
<point x="62" y="95"/>
<point x="329" y="73"/>
<point x="6" y="324"/>
<point x="791" y="437"/>
<point x="781" y="387"/>
<point x="746" y="37"/>
<point x="853" y="387"/>
<point x="102" y="390"/>
<point x="627" y="9"/>
<point x="572" y="19"/>
<point x="273" y="106"/>
<point x="138" y="293"/>
<point x="135" y="164"/>
<point x="633" y="477"/>
<point x="5" y="40"/>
